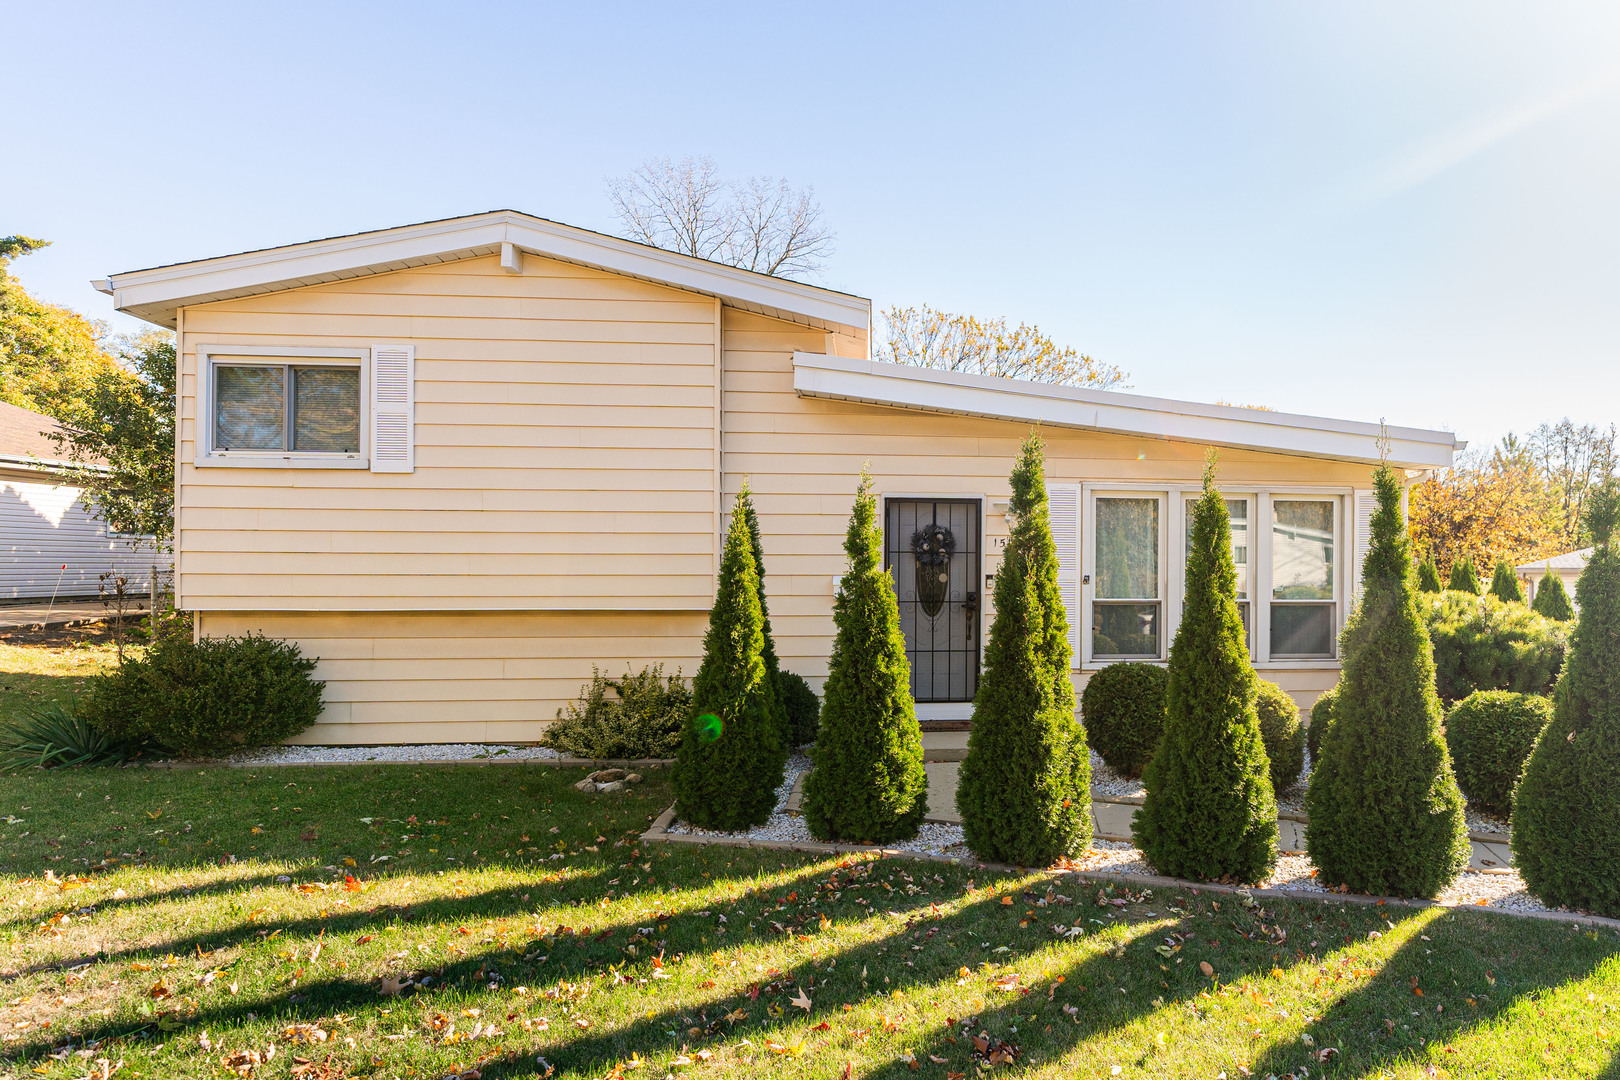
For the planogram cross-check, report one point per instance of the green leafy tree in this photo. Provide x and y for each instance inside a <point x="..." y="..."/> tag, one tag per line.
<point x="867" y="783"/>
<point x="730" y="760"/>
<point x="1210" y="811"/>
<point x="50" y="358"/>
<point x="1386" y="814"/>
<point x="1024" y="791"/>
<point x="1505" y="584"/>
<point x="1552" y="600"/>
<point x="1429" y="576"/>
<point x="1464" y="578"/>
<point x="125" y="427"/>
<point x="1566" y="809"/>
<point x="745" y="507"/>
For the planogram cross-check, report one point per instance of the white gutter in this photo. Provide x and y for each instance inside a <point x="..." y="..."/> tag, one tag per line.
<point x="902" y="386"/>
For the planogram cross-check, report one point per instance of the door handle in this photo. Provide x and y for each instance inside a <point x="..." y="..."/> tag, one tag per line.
<point x="971" y="606"/>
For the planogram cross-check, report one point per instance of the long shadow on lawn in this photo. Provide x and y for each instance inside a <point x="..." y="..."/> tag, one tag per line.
<point x="1410" y="1005"/>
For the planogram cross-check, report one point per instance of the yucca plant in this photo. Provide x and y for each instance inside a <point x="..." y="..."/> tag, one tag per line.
<point x="51" y="736"/>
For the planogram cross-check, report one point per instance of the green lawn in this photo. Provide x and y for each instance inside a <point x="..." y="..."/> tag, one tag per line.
<point x="34" y="673"/>
<point x="471" y="947"/>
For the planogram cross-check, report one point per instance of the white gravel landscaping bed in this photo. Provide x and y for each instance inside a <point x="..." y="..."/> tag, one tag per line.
<point x="324" y="755"/>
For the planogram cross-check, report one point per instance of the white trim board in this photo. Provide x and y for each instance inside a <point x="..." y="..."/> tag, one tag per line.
<point x="900" y="386"/>
<point x="156" y="294"/>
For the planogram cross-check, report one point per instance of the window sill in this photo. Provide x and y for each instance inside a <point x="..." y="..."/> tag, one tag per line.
<point x="282" y="461"/>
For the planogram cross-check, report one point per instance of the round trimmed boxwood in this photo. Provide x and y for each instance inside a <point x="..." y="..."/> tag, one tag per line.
<point x="1490" y="734"/>
<point x="1282" y="733"/>
<point x="207" y="697"/>
<point x="1123" y="710"/>
<point x="1321" y="717"/>
<point x="802" y="705"/>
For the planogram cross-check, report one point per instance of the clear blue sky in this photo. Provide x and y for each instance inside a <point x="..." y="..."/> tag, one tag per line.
<point x="1364" y="210"/>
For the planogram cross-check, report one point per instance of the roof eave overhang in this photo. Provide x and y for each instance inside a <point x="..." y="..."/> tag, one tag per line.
<point x="899" y="386"/>
<point x="156" y="295"/>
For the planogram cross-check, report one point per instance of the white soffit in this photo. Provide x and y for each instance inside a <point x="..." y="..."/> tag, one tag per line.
<point x="904" y="387"/>
<point x="158" y="293"/>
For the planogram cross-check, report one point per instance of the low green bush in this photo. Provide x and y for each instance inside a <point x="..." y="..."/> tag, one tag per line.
<point x="1482" y="643"/>
<point x="802" y="705"/>
<point x="1490" y="734"/>
<point x="1123" y="710"/>
<point x="1321" y="717"/>
<point x="1282" y="733"/>
<point x="206" y="697"/>
<point x="51" y="736"/>
<point x="636" y="716"/>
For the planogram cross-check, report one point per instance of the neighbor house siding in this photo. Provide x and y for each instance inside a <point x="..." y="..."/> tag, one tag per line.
<point x="492" y="677"/>
<point x="565" y="450"/>
<point x="50" y="543"/>
<point x="803" y="456"/>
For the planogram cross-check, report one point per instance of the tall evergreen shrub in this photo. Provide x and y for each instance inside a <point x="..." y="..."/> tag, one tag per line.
<point x="1428" y="575"/>
<point x="784" y="725"/>
<point x="1386" y="814"/>
<point x="1210" y="811"/>
<point x="726" y="774"/>
<point x="867" y="783"/>
<point x="1552" y="600"/>
<point x="1566" y="809"/>
<point x="1024" y="792"/>
<point x="1505" y="584"/>
<point x="1464" y="578"/>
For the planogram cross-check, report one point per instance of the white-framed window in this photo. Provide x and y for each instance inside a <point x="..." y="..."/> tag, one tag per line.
<point x="1292" y="548"/>
<point x="1127" y="563"/>
<point x="298" y="407"/>
<point x="1305" y="577"/>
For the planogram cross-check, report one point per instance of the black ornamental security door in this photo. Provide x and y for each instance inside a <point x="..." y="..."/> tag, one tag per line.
<point x="931" y="548"/>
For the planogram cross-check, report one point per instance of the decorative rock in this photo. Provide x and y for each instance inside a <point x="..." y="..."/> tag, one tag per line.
<point x="611" y="785"/>
<point x="587" y="785"/>
<point x="633" y="778"/>
<point x="607" y="776"/>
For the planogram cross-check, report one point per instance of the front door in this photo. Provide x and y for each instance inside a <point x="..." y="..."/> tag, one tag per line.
<point x="931" y="547"/>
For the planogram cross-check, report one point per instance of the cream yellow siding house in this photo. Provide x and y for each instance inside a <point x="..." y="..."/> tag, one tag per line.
<point x="464" y="462"/>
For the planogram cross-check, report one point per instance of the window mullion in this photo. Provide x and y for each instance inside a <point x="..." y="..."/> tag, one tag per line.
<point x="287" y="408"/>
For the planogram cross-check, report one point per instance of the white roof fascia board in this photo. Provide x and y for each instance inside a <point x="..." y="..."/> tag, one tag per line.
<point x="905" y="387"/>
<point x="50" y="465"/>
<point x="156" y="294"/>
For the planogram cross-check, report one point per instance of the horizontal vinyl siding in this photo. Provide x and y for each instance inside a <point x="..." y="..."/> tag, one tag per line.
<point x="803" y="456"/>
<point x="488" y="677"/>
<point x="45" y="526"/>
<point x="565" y="430"/>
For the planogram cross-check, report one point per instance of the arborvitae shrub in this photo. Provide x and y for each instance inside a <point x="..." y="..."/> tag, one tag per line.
<point x="1552" y="600"/>
<point x="802" y="705"/>
<point x="1482" y="643"/>
<point x="1123" y="710"/>
<point x="1386" y="814"/>
<point x="1282" y="733"/>
<point x="1024" y="791"/>
<point x="784" y="726"/>
<point x="1210" y="811"/>
<point x="1566" y="809"/>
<point x="208" y="697"/>
<point x="1505" y="584"/>
<point x="637" y="716"/>
<point x="728" y="769"/>
<point x="1464" y="578"/>
<point x="1429" y="576"/>
<point x="867" y="783"/>
<point x="1490" y="734"/>
<point x="1321" y="717"/>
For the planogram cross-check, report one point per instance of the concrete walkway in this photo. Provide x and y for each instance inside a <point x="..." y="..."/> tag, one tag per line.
<point x="1111" y="819"/>
<point x="62" y="613"/>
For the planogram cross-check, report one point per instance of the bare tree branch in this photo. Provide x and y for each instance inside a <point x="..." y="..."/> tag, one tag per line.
<point x="923" y="337"/>
<point x="764" y="225"/>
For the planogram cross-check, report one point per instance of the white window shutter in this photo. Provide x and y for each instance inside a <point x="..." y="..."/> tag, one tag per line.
<point x="1063" y="508"/>
<point x="1366" y="503"/>
<point x="393" y="408"/>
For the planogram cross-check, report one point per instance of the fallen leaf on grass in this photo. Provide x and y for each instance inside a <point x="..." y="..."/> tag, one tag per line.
<point x="1204" y="966"/>
<point x="802" y="1000"/>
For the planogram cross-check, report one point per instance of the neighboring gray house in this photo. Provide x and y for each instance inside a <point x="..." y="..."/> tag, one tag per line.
<point x="1567" y="566"/>
<point x="47" y="535"/>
